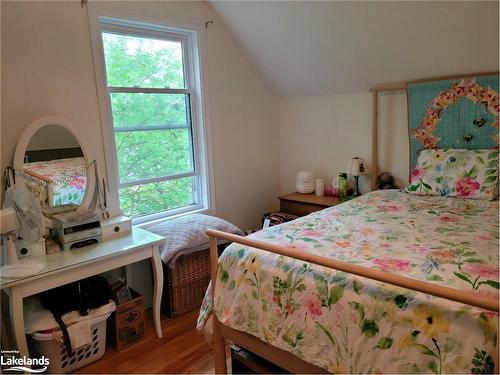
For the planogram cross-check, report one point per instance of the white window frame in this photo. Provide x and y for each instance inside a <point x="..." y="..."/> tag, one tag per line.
<point x="191" y="35"/>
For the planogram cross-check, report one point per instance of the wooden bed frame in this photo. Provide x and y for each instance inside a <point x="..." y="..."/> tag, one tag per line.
<point x="287" y="360"/>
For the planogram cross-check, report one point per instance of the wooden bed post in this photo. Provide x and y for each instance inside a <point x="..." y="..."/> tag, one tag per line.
<point x="495" y="358"/>
<point x="219" y="342"/>
<point x="374" y="163"/>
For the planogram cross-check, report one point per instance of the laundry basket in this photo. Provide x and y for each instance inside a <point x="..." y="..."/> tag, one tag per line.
<point x="59" y="362"/>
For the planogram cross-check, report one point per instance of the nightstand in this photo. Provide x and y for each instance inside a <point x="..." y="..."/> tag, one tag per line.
<point x="303" y="204"/>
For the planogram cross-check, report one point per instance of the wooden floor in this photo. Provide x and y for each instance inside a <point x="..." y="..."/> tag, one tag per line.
<point x="181" y="350"/>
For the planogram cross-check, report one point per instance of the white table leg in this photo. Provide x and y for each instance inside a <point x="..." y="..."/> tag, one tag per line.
<point x="17" y="320"/>
<point x="157" y="289"/>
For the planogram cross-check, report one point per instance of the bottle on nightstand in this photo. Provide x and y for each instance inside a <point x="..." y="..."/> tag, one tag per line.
<point x="342" y="185"/>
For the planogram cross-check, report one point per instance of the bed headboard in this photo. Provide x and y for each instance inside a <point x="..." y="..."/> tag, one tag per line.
<point x="52" y="154"/>
<point x="459" y="112"/>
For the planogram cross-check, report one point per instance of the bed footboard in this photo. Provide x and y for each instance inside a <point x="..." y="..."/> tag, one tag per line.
<point x="465" y="297"/>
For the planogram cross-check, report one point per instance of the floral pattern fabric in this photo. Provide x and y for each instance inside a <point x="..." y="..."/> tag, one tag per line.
<point x="349" y="324"/>
<point x="468" y="89"/>
<point x="456" y="173"/>
<point x="453" y="113"/>
<point x="57" y="182"/>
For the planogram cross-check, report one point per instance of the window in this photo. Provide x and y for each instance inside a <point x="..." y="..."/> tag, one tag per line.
<point x="153" y="99"/>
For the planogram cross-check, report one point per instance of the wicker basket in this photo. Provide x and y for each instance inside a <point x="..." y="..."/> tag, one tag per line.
<point x="186" y="283"/>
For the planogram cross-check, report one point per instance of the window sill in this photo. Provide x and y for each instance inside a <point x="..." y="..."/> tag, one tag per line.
<point x="144" y="223"/>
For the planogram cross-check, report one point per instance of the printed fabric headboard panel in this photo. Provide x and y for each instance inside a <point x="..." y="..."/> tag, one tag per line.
<point x="453" y="113"/>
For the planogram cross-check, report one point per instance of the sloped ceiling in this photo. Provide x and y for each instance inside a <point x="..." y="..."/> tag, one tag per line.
<point x="307" y="48"/>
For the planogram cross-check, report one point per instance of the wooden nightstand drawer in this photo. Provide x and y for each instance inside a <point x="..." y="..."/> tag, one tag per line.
<point x="304" y="204"/>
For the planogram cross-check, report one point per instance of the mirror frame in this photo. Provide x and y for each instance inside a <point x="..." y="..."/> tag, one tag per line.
<point x="30" y="131"/>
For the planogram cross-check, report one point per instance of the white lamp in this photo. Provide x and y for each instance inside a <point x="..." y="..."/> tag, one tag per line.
<point x="356" y="168"/>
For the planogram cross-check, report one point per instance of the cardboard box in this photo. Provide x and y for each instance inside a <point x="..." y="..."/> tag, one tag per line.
<point x="126" y="324"/>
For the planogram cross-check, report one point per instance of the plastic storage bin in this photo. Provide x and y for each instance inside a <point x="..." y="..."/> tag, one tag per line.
<point x="45" y="344"/>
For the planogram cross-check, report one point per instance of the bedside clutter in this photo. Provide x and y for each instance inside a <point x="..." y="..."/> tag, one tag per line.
<point x="275" y="218"/>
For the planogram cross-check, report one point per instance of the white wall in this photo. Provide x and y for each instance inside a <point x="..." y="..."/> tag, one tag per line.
<point x="47" y="69"/>
<point x="52" y="137"/>
<point x="322" y="133"/>
<point x="309" y="48"/>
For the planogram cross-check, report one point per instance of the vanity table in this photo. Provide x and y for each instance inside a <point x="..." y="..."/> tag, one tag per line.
<point x="75" y="264"/>
<point x="58" y="167"/>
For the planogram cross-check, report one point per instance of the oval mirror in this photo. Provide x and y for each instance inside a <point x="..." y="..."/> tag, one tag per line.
<point x="54" y="167"/>
<point x="51" y="162"/>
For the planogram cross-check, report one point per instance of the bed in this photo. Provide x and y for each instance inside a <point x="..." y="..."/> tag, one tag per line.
<point x="56" y="182"/>
<point x="347" y="324"/>
<point x="390" y="282"/>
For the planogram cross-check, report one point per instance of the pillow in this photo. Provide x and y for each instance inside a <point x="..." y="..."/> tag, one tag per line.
<point x="187" y="234"/>
<point x="456" y="173"/>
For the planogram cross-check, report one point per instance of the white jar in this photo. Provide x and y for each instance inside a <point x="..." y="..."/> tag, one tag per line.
<point x="305" y="182"/>
<point x="320" y="187"/>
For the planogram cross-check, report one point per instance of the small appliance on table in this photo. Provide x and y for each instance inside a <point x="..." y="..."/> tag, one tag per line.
<point x="76" y="229"/>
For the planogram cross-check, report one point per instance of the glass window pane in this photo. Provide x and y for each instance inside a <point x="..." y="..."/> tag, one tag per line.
<point x="142" y="62"/>
<point x="155" y="197"/>
<point x="135" y="109"/>
<point x="155" y="153"/>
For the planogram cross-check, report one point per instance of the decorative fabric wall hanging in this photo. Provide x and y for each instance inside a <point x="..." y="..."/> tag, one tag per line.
<point x="453" y="113"/>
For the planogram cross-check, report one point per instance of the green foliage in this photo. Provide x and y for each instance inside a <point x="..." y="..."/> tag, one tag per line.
<point x="146" y="109"/>
<point x="149" y="154"/>
<point x="150" y="63"/>
<point x="155" y="197"/>
<point x="482" y="363"/>
<point x="433" y="366"/>
<point x="328" y="295"/>
<point x="292" y="342"/>
<point x="359" y="309"/>
<point x="139" y="62"/>
<point x="401" y="301"/>
<point x="326" y="332"/>
<point x="385" y="343"/>
<point x="476" y="283"/>
<point x="283" y="290"/>
<point x="224" y="276"/>
<point x="369" y="328"/>
<point x="357" y="286"/>
<point x="492" y="283"/>
<point x="434" y="278"/>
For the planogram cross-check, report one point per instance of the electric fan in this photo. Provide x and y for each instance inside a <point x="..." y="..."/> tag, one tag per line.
<point x="22" y="216"/>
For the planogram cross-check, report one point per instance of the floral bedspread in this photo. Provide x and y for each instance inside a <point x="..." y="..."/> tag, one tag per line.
<point x="57" y="182"/>
<point x="349" y="324"/>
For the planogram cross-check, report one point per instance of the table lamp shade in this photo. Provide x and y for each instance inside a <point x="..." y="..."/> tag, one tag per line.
<point x="356" y="166"/>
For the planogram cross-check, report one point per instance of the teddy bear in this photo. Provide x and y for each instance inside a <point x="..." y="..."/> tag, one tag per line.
<point x="386" y="181"/>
